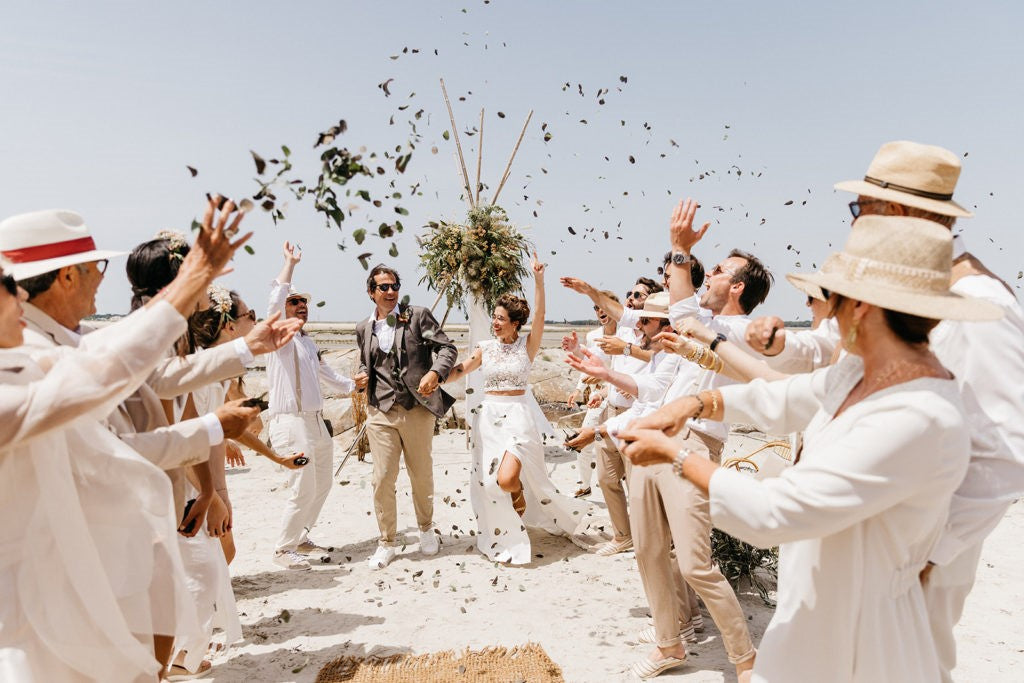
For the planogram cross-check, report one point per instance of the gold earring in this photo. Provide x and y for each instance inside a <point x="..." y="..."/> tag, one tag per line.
<point x="850" y="342"/>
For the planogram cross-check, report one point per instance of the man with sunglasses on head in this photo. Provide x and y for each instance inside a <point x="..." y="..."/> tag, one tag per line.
<point x="294" y="374"/>
<point x="987" y="358"/>
<point x="404" y="355"/>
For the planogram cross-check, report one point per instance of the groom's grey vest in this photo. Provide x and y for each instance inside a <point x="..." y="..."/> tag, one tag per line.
<point x="389" y="388"/>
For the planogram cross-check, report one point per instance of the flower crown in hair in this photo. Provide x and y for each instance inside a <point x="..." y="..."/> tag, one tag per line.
<point x="175" y="242"/>
<point x="220" y="300"/>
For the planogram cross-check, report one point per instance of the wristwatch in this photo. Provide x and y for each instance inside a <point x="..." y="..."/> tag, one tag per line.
<point x="680" y="258"/>
<point x="628" y="350"/>
<point x="719" y="338"/>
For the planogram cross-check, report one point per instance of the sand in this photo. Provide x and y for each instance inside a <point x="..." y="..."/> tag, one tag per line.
<point x="585" y="610"/>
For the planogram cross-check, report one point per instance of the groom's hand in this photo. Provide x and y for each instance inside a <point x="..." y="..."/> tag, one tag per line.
<point x="428" y="384"/>
<point x="361" y="380"/>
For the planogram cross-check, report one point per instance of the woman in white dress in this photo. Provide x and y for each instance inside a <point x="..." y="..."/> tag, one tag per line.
<point x="885" y="446"/>
<point x="510" y="489"/>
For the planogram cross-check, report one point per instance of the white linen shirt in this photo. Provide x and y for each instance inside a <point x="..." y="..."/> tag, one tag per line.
<point x="384" y="330"/>
<point x="734" y="328"/>
<point x="855" y="519"/>
<point x="987" y="359"/>
<point x="626" y="331"/>
<point x="300" y="352"/>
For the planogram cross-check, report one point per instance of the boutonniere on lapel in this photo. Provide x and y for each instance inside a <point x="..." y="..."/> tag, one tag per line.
<point x="401" y="319"/>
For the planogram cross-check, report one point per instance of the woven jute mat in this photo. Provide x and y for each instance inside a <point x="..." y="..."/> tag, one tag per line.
<point x="522" y="664"/>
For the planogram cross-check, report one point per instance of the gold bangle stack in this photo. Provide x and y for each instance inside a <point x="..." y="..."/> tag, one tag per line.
<point x="705" y="358"/>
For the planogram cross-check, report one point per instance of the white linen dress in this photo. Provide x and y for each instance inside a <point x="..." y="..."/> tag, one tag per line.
<point x="208" y="576"/>
<point x="855" y="519"/>
<point x="88" y="533"/>
<point x="506" y="424"/>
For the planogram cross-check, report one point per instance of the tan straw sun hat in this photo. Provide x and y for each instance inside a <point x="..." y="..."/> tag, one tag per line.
<point x="899" y="263"/>
<point x="656" y="306"/>
<point x="922" y="176"/>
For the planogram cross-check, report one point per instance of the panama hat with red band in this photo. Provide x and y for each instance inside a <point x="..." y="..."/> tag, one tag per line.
<point x="35" y="243"/>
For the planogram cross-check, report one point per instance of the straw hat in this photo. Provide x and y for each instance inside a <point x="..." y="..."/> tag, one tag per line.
<point x="35" y="243"/>
<point x="656" y="306"/>
<point x="899" y="263"/>
<point x="922" y="176"/>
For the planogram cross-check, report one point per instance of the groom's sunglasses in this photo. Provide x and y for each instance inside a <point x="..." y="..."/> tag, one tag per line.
<point x="394" y="287"/>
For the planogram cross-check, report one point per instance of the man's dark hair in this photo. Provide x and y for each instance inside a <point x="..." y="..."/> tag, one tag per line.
<point x="756" y="278"/>
<point x="650" y="284"/>
<point x="696" y="269"/>
<point x="371" y="283"/>
<point x="38" y="284"/>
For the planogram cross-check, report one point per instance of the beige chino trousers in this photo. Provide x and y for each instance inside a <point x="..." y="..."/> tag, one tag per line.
<point x="392" y="434"/>
<point x="612" y="467"/>
<point x="667" y="508"/>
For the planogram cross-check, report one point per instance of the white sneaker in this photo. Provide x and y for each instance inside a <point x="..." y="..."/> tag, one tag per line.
<point x="289" y="559"/>
<point x="382" y="557"/>
<point x="429" y="542"/>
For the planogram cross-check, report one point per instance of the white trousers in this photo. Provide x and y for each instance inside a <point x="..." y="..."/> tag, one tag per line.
<point x="291" y="434"/>
<point x="944" y="596"/>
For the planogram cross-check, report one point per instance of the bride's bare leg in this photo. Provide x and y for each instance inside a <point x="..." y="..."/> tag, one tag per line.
<point x="508" y="480"/>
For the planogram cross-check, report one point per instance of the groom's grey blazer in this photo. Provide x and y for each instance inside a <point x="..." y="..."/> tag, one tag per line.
<point x="420" y="346"/>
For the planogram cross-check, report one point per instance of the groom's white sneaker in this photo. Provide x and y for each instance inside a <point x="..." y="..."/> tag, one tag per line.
<point x="429" y="543"/>
<point x="382" y="557"/>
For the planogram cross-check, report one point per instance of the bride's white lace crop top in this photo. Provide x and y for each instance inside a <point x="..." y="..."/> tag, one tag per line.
<point x="506" y="367"/>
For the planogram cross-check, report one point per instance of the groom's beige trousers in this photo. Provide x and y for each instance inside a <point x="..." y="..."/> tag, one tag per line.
<point x="391" y="434"/>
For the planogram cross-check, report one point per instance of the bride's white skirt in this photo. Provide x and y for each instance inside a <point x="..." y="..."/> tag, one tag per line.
<point x="500" y="424"/>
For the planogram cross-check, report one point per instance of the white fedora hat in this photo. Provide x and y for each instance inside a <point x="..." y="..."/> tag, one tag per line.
<point x="899" y="263"/>
<point x="922" y="176"/>
<point x="35" y="243"/>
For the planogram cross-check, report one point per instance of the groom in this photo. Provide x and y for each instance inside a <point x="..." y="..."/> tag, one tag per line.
<point x="404" y="355"/>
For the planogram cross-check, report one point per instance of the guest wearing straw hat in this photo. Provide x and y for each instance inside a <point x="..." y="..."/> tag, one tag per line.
<point x="885" y="447"/>
<point x="911" y="179"/>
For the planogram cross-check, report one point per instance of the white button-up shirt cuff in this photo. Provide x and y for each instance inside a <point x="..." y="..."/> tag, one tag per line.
<point x="214" y="430"/>
<point x="244" y="352"/>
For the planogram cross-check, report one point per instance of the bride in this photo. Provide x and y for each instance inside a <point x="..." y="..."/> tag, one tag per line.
<point x="510" y="488"/>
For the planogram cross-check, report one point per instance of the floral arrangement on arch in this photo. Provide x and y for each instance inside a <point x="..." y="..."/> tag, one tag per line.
<point x="485" y="258"/>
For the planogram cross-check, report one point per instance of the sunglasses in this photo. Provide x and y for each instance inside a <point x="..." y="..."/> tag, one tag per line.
<point x="10" y="284"/>
<point x="389" y="286"/>
<point x="826" y="293"/>
<point x="295" y="301"/>
<point x="636" y="295"/>
<point x="250" y="314"/>
<point x="718" y="270"/>
<point x="857" y="206"/>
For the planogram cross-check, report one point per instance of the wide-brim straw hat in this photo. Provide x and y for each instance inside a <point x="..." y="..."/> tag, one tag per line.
<point x="35" y="243"/>
<point x="656" y="306"/>
<point x="922" y="176"/>
<point x="899" y="263"/>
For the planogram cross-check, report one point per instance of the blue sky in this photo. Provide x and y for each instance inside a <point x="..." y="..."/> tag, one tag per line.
<point x="104" y="105"/>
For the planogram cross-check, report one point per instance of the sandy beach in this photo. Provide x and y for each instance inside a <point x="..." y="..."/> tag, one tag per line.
<point x="585" y="610"/>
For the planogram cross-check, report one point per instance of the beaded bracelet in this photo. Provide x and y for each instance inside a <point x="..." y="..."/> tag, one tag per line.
<point x="701" y="402"/>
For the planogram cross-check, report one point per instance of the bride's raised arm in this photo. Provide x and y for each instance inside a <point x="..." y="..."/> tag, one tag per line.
<point x="537" y="326"/>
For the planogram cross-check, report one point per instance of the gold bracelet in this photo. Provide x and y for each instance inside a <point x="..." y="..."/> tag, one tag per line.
<point x="714" y="403"/>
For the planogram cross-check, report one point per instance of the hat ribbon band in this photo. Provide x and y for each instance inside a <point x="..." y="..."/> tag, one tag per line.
<point x="885" y="184"/>
<point x="859" y="268"/>
<point x="42" y="252"/>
